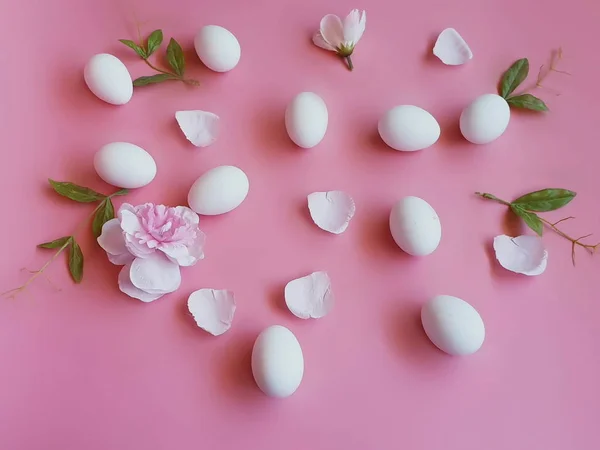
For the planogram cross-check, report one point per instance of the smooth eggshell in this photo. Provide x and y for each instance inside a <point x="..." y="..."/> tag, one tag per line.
<point x="217" y="48"/>
<point x="108" y="78"/>
<point x="408" y="128"/>
<point x="415" y="226"/>
<point x="306" y="119"/>
<point x="218" y="191"/>
<point x="485" y="119"/>
<point x="277" y="362"/>
<point x="124" y="165"/>
<point x="453" y="325"/>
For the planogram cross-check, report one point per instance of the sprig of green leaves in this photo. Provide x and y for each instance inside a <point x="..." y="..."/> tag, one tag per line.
<point x="175" y="58"/>
<point x="527" y="206"/>
<point x="511" y="80"/>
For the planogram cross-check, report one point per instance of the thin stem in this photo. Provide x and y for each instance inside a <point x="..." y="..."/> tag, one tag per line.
<point x="492" y="197"/>
<point x="349" y="61"/>
<point x="544" y="72"/>
<point x="153" y="67"/>
<point x="574" y="241"/>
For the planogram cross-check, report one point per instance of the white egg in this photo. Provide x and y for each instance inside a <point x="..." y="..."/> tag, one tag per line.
<point x="124" y="165"/>
<point x="277" y="362"/>
<point x="108" y="78"/>
<point x="217" y="48"/>
<point x="415" y="226"/>
<point x="218" y="191"/>
<point x="485" y="119"/>
<point x="453" y="325"/>
<point x="408" y="128"/>
<point x="306" y="119"/>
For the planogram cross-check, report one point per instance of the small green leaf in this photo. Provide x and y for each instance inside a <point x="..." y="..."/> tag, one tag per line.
<point x="513" y="77"/>
<point x="527" y="101"/>
<point x="545" y="200"/>
<point x="56" y="243"/>
<point x="76" y="193"/>
<point x="154" y="41"/>
<point x="120" y="192"/>
<point x="104" y="213"/>
<point x="152" y="79"/>
<point x="75" y="261"/>
<point x="139" y="50"/>
<point x="175" y="57"/>
<point x="531" y="219"/>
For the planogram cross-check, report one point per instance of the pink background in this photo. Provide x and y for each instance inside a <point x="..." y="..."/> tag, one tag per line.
<point x="85" y="367"/>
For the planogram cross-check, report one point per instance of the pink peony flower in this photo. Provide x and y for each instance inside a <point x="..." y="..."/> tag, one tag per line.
<point x="152" y="241"/>
<point x="341" y="37"/>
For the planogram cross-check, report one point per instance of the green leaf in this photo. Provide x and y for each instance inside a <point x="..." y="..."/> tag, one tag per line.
<point x="75" y="262"/>
<point x="76" y="193"/>
<point x="120" y="192"/>
<point x="175" y="57"/>
<point x="154" y="41"/>
<point x="139" y="50"/>
<point x="513" y="77"/>
<point x="104" y="213"/>
<point x="531" y="219"/>
<point x="545" y="200"/>
<point x="58" y="243"/>
<point x="527" y="101"/>
<point x="152" y="79"/>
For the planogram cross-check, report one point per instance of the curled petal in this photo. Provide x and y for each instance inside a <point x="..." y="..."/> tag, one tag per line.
<point x="522" y="254"/>
<point x="332" y="30"/>
<point x="111" y="239"/>
<point x="127" y="287"/>
<point x="331" y="211"/>
<point x="187" y="214"/>
<point x="155" y="274"/>
<point x="451" y="48"/>
<point x="354" y="27"/>
<point x="320" y="42"/>
<point x="310" y="296"/>
<point x="212" y="309"/>
<point x="186" y="255"/>
<point x="130" y="222"/>
<point x="136" y="248"/>
<point x="201" y="128"/>
<point x="122" y="259"/>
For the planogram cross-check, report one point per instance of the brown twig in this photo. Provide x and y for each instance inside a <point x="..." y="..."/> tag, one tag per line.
<point x="574" y="241"/>
<point x="544" y="72"/>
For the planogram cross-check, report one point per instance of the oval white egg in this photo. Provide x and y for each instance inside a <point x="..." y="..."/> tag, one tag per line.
<point x="219" y="191"/>
<point x="415" y="226"/>
<point x="453" y="325"/>
<point x="277" y="362"/>
<point x="306" y="119"/>
<point x="108" y="79"/>
<point x="217" y="48"/>
<point x="124" y="165"/>
<point x="408" y="128"/>
<point x="485" y="119"/>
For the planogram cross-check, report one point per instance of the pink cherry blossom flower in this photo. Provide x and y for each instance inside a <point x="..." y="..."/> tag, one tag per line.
<point x="341" y="36"/>
<point x="152" y="241"/>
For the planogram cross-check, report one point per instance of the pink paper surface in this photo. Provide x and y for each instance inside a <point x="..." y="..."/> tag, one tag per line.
<point x="85" y="367"/>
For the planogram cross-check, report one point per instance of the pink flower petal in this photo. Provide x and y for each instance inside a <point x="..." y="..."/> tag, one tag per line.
<point x="186" y="256"/>
<point x="201" y="128"/>
<point x="354" y="26"/>
<point x="122" y="259"/>
<point x="187" y="214"/>
<point x="212" y="309"/>
<point x="111" y="239"/>
<point x="320" y="42"/>
<point x="331" y="211"/>
<point x="451" y="48"/>
<point x="310" y="296"/>
<point x="521" y="254"/>
<point x="127" y="287"/>
<point x="130" y="223"/>
<point x="332" y="30"/>
<point x="136" y="248"/>
<point x="155" y="274"/>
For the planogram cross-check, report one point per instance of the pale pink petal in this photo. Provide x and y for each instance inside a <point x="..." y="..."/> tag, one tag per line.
<point x="186" y="255"/>
<point x="332" y="30"/>
<point x="320" y="42"/>
<point x="122" y="259"/>
<point x="111" y="239"/>
<point x="188" y="215"/>
<point x="201" y="128"/>
<point x="451" y="48"/>
<point x="521" y="254"/>
<point x="213" y="309"/>
<point x="310" y="296"/>
<point x="136" y="248"/>
<point x="127" y="287"/>
<point x="155" y="274"/>
<point x="354" y="27"/>
<point x="130" y="222"/>
<point x="331" y="211"/>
